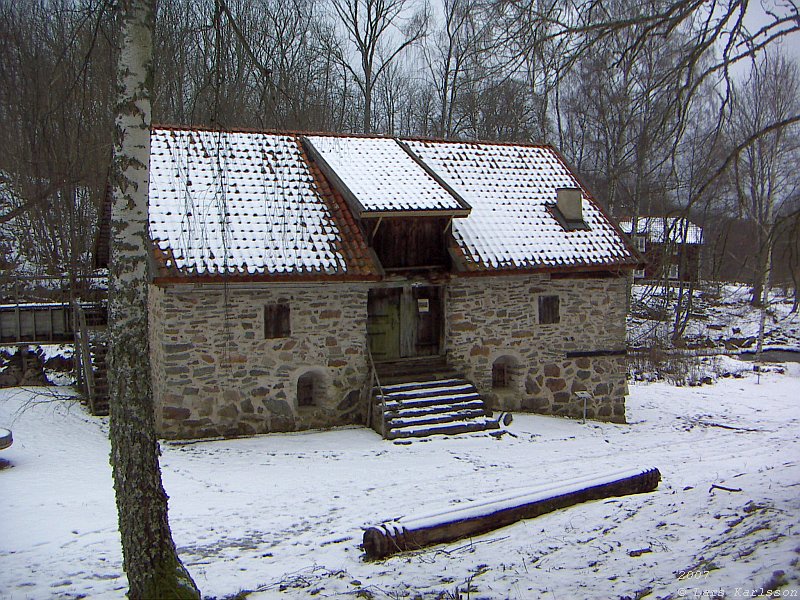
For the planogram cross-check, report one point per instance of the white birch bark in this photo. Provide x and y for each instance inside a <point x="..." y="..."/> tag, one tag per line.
<point x="149" y="556"/>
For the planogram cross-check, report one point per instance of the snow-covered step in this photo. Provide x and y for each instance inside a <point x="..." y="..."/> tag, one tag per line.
<point x="415" y="411"/>
<point x="427" y="393"/>
<point x="395" y="404"/>
<point x="424" y="389"/>
<point x="435" y="418"/>
<point x="415" y="386"/>
<point x="455" y="428"/>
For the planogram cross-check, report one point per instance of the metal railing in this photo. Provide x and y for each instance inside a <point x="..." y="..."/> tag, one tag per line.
<point x="44" y="323"/>
<point x="374" y="379"/>
<point x="83" y="355"/>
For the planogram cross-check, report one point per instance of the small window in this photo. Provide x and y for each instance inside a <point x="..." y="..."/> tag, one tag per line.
<point x="500" y="376"/>
<point x="638" y="274"/>
<point x="310" y="388"/>
<point x="549" y="310"/>
<point x="277" y="321"/>
<point x="673" y="271"/>
<point x="503" y="372"/>
<point x="641" y="243"/>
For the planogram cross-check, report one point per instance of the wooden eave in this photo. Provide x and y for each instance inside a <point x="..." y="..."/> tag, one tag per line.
<point x="234" y="278"/>
<point x="405" y="213"/>
<point x="611" y="270"/>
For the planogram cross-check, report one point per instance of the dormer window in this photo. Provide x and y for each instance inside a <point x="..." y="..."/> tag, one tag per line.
<point x="405" y="206"/>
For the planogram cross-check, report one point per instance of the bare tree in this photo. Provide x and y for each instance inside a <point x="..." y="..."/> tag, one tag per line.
<point x="699" y="151"/>
<point x="765" y="172"/>
<point x="380" y="31"/>
<point x="630" y="112"/>
<point x="149" y="556"/>
<point x="713" y="38"/>
<point x="462" y="43"/>
<point x="56" y="59"/>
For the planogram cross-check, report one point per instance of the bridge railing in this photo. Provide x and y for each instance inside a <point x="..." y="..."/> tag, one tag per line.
<point x="46" y="323"/>
<point x="83" y="356"/>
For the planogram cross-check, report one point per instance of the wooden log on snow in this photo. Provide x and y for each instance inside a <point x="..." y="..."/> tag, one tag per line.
<point x="6" y="439"/>
<point x="475" y="518"/>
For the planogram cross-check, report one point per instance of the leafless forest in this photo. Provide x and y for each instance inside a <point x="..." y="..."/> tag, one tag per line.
<point x="664" y="107"/>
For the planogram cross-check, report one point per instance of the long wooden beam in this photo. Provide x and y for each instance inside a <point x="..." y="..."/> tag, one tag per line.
<point x="475" y="518"/>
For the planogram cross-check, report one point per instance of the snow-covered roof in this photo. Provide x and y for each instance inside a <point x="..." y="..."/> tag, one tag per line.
<point x="658" y="230"/>
<point x="253" y="203"/>
<point x="245" y="203"/>
<point x="512" y="189"/>
<point x="381" y="177"/>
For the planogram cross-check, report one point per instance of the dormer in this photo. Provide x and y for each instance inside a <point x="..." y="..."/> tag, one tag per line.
<point x="405" y="208"/>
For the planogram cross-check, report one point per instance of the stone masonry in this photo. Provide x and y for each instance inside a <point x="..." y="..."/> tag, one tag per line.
<point x="492" y="318"/>
<point x="215" y="374"/>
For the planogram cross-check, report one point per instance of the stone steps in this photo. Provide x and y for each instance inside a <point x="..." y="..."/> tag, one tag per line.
<point x="431" y="418"/>
<point x="431" y="406"/>
<point x="473" y="426"/>
<point x="410" y="370"/>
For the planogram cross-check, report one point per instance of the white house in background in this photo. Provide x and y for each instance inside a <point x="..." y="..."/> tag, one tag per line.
<point x="286" y="265"/>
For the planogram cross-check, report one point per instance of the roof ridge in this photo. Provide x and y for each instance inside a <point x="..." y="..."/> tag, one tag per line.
<point x="304" y="132"/>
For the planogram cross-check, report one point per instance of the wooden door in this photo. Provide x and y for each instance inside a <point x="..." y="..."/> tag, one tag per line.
<point x="428" y="324"/>
<point x="404" y="322"/>
<point x="383" y="323"/>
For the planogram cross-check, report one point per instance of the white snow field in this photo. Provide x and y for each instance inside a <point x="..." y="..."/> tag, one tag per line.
<point x="283" y="514"/>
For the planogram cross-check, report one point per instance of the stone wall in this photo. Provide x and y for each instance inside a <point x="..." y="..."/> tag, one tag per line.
<point x="215" y="374"/>
<point x="492" y="318"/>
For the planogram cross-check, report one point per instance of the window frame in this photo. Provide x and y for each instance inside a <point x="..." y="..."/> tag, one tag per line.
<point x="308" y="381"/>
<point x="501" y="378"/>
<point x="544" y="314"/>
<point x="277" y="321"/>
<point x="673" y="272"/>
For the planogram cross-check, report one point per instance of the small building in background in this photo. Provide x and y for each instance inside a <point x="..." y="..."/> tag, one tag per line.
<point x="671" y="247"/>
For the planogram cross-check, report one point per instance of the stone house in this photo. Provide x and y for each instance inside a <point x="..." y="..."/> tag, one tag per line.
<point x="289" y="270"/>
<point x="671" y="247"/>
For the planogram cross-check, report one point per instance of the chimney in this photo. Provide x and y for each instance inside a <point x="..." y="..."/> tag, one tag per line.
<point x="570" y="204"/>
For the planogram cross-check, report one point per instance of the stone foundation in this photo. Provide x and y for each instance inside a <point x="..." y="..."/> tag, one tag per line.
<point x="491" y="318"/>
<point x="215" y="374"/>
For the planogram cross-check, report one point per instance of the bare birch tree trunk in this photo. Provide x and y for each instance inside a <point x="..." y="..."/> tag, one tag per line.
<point x="150" y="559"/>
<point x="764" y="282"/>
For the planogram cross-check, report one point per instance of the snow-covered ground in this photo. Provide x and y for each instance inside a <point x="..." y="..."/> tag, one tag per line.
<point x="721" y="317"/>
<point x="284" y="513"/>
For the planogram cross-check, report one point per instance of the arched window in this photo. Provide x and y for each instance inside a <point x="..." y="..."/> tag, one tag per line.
<point x="310" y="388"/>
<point x="503" y="371"/>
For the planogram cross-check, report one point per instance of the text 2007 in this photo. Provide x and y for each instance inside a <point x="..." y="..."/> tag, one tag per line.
<point x="683" y="575"/>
